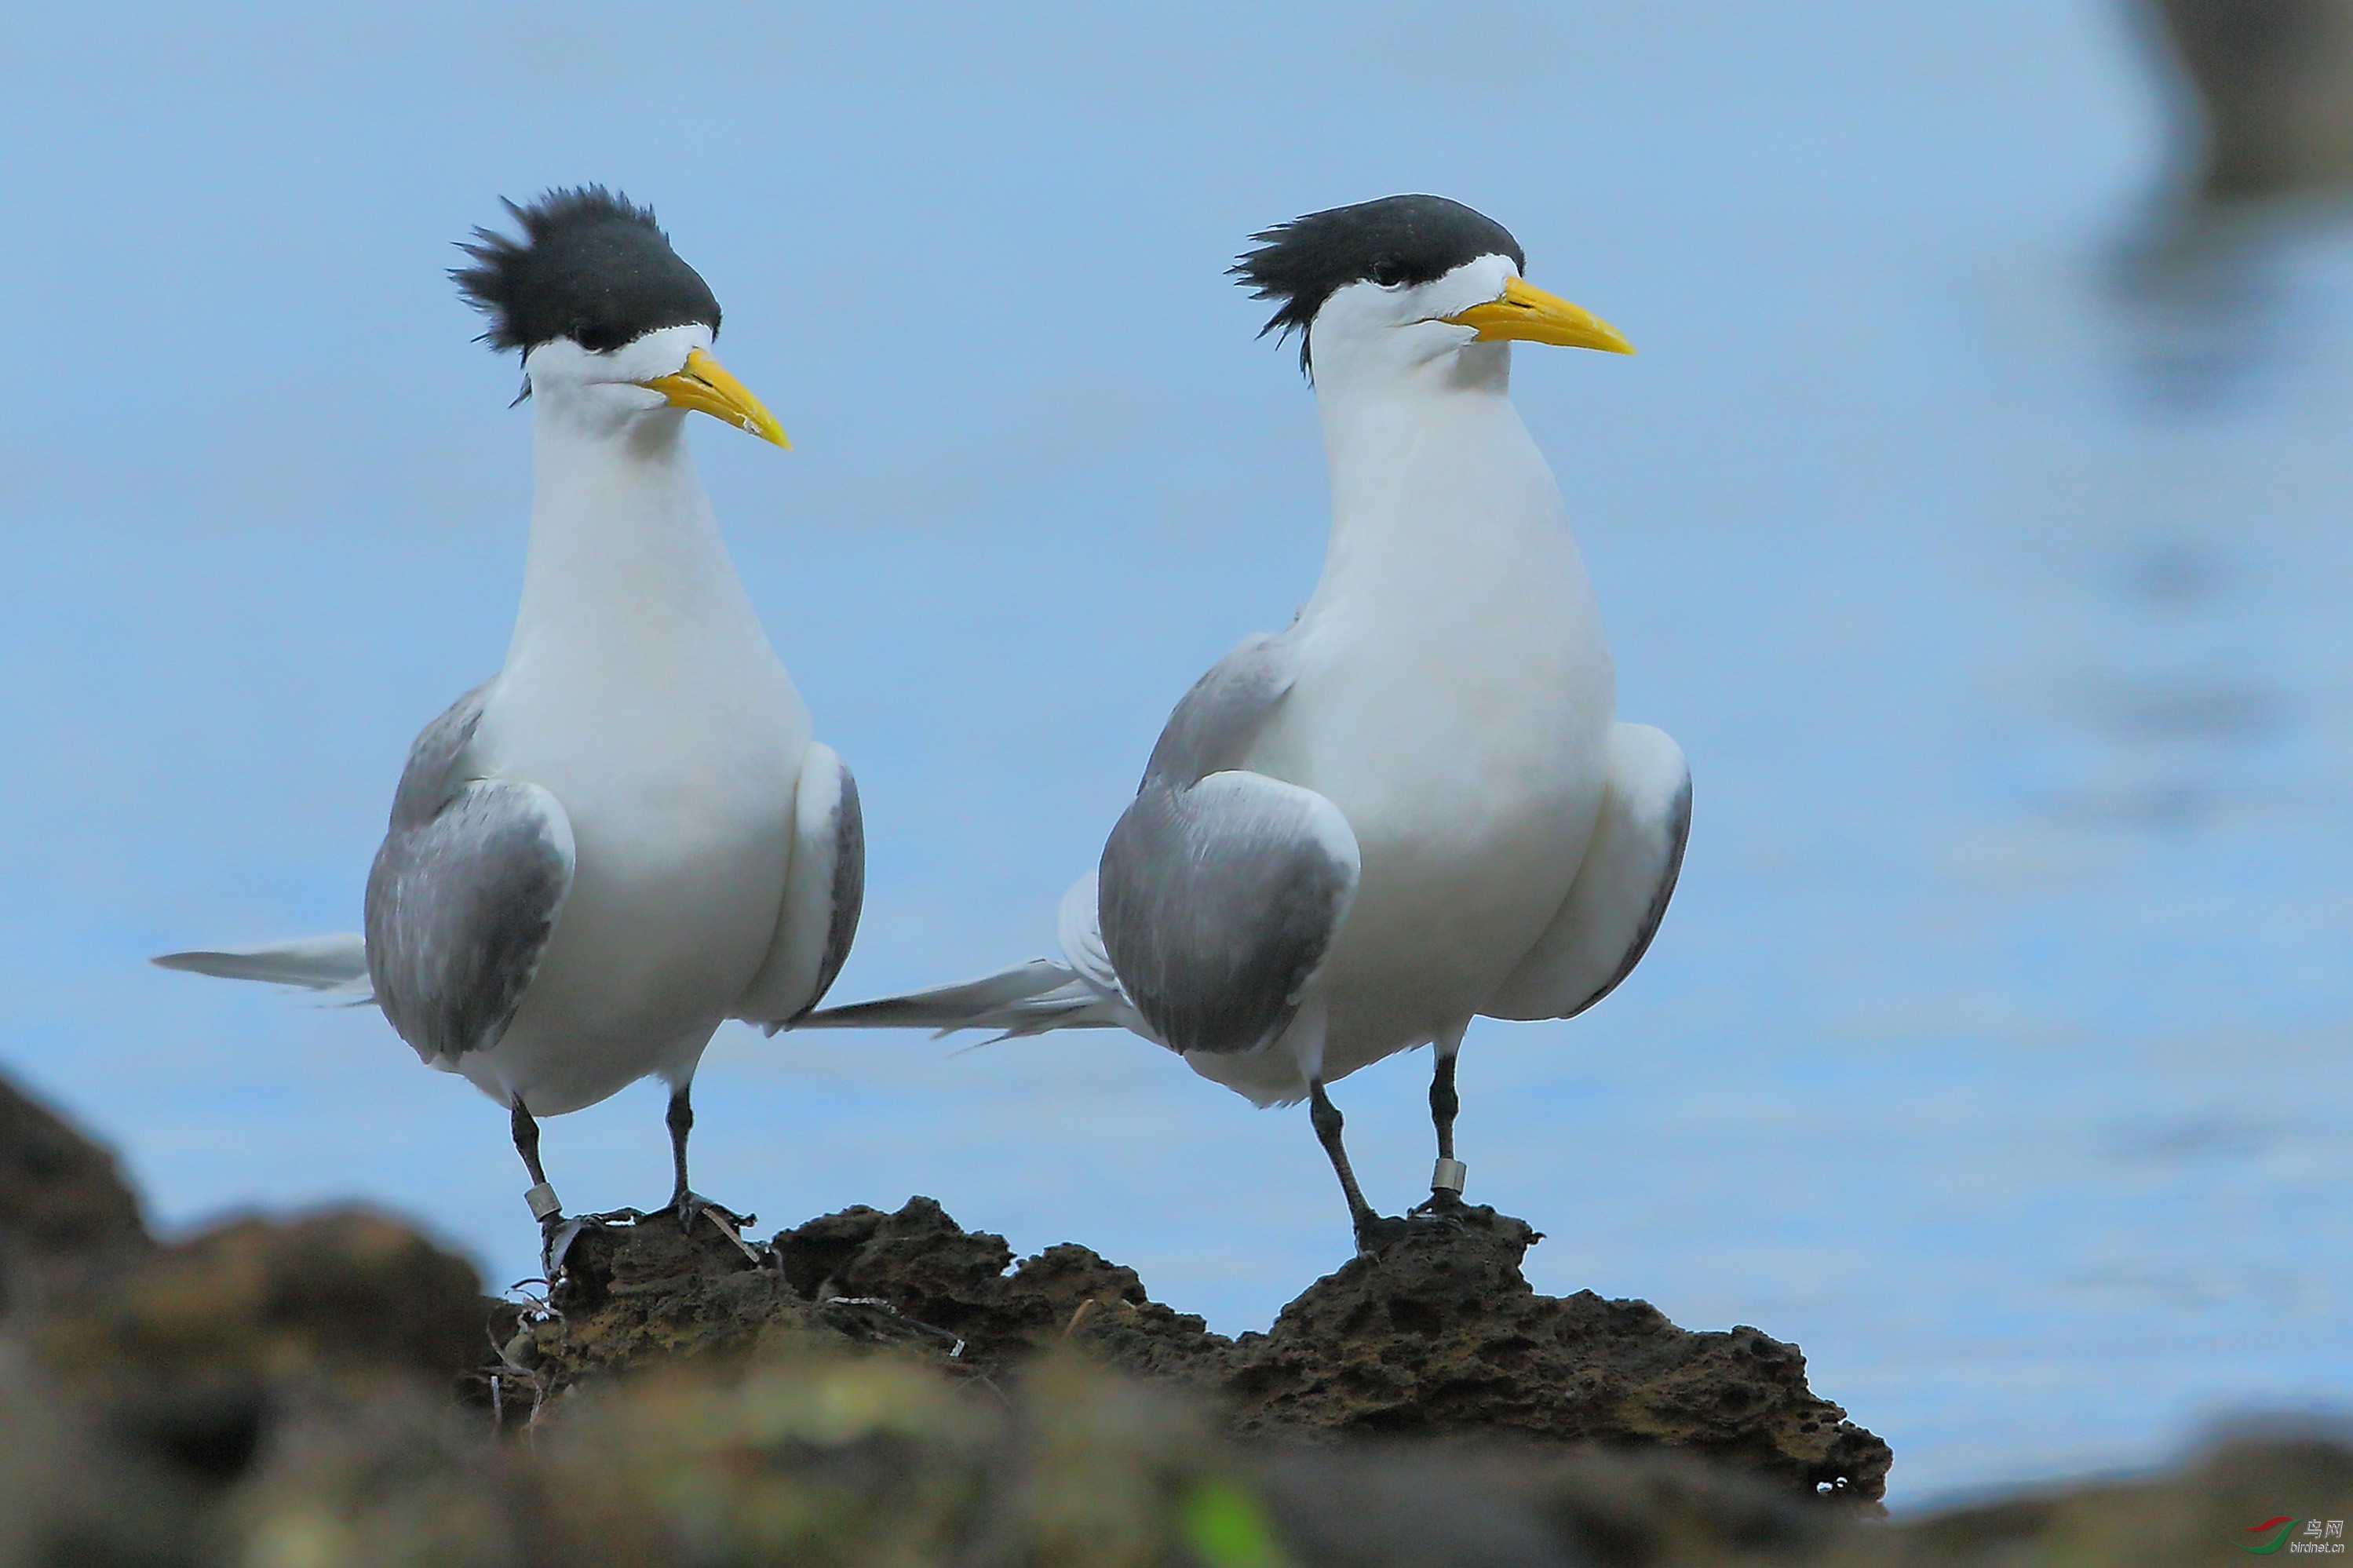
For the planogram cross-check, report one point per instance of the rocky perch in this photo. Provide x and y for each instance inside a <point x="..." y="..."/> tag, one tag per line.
<point x="1437" y="1336"/>
<point x="890" y="1388"/>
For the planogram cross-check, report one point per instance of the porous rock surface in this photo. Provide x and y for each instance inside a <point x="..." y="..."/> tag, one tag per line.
<point x="889" y="1388"/>
<point x="1437" y="1335"/>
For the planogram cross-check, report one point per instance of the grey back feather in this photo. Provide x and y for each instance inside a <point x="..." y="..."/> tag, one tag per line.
<point x="1027" y="999"/>
<point x="1219" y="903"/>
<point x="1220" y="889"/>
<point x="464" y="893"/>
<point x="1212" y="728"/>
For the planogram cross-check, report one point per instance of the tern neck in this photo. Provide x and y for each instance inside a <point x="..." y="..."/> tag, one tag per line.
<point x="1437" y="489"/>
<point x="626" y="554"/>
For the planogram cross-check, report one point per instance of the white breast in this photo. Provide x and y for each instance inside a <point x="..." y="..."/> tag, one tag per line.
<point x="641" y="692"/>
<point x="1454" y="700"/>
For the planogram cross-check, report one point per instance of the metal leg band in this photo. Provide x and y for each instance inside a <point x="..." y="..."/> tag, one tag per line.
<point x="1449" y="1176"/>
<point x="544" y="1205"/>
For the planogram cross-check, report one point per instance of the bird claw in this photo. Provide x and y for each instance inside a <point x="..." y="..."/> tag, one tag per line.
<point x="1443" y="1206"/>
<point x="1377" y="1232"/>
<point x="556" y="1235"/>
<point x="558" y="1232"/>
<point x="689" y="1205"/>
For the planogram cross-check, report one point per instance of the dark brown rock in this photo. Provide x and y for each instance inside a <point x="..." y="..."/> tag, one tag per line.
<point x="146" y="1383"/>
<point x="1438" y="1335"/>
<point x="921" y="1268"/>
<point x="63" y="1203"/>
<point x="278" y="1391"/>
<point x="651" y="1293"/>
<point x="1497" y="1505"/>
<point x="348" y="1289"/>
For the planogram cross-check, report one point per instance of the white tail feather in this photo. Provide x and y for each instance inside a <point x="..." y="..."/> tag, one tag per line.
<point x="337" y="963"/>
<point x="1027" y="999"/>
<point x="1083" y="991"/>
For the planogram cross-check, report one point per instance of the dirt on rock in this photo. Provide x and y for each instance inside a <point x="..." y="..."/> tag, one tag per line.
<point x="1438" y="1334"/>
<point x="876" y="1386"/>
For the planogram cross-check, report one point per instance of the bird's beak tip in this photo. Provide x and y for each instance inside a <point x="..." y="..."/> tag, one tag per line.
<point x="704" y="385"/>
<point x="1527" y="315"/>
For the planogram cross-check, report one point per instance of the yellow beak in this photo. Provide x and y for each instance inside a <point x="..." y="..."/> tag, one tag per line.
<point x="705" y="384"/>
<point x="1528" y="313"/>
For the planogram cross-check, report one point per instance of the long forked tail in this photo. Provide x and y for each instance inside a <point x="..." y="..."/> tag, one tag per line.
<point x="1080" y="993"/>
<point x="337" y="963"/>
<point x="1027" y="999"/>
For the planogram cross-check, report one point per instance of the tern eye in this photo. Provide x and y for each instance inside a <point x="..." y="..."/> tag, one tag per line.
<point x="1387" y="272"/>
<point x="594" y="336"/>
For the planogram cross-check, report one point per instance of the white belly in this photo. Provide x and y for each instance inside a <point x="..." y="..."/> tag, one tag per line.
<point x="1470" y="762"/>
<point x="681" y="798"/>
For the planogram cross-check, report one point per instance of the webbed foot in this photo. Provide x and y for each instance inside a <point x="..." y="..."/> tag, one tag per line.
<point x="1443" y="1205"/>
<point x="1380" y="1231"/>
<point x="688" y="1206"/>
<point x="558" y="1232"/>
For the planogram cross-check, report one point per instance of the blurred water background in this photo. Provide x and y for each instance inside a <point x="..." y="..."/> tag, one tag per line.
<point x="1976" y="514"/>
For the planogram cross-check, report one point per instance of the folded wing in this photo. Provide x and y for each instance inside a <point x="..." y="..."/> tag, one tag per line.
<point x="824" y="891"/>
<point x="1221" y="890"/>
<point x="464" y="893"/>
<point x="1613" y="909"/>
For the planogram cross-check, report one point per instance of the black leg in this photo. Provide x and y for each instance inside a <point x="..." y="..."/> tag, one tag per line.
<point x="681" y="1121"/>
<point x="526" y="1142"/>
<point x="1443" y="1103"/>
<point x="685" y="1203"/>
<point x="1325" y="1117"/>
<point x="545" y="1207"/>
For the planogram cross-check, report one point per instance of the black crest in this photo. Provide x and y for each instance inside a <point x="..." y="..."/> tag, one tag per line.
<point x="591" y="266"/>
<point x="1394" y="240"/>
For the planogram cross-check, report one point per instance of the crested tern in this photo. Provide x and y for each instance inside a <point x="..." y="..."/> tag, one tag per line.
<point x="630" y="834"/>
<point x="1415" y="805"/>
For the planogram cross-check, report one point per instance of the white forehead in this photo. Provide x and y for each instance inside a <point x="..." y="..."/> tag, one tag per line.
<point x="660" y="353"/>
<point x="1368" y="304"/>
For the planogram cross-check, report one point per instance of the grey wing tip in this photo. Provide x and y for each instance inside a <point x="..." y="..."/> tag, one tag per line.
<point x="1029" y="997"/>
<point x="220" y="965"/>
<point x="312" y="963"/>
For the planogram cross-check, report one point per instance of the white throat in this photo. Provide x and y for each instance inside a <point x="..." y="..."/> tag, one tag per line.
<point x="626" y="565"/>
<point x="1438" y="490"/>
<point x="621" y="529"/>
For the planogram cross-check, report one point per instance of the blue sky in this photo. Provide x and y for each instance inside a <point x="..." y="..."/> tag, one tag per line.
<point x="1994" y="1047"/>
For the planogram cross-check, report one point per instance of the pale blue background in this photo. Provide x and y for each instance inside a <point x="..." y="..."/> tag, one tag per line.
<point x="1996" y="1047"/>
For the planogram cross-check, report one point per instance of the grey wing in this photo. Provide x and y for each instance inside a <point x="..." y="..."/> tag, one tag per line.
<point x="1213" y="726"/>
<point x="825" y="889"/>
<point x="1613" y="909"/>
<point x="1218" y="901"/>
<point x="1220" y="889"/>
<point x="463" y="895"/>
